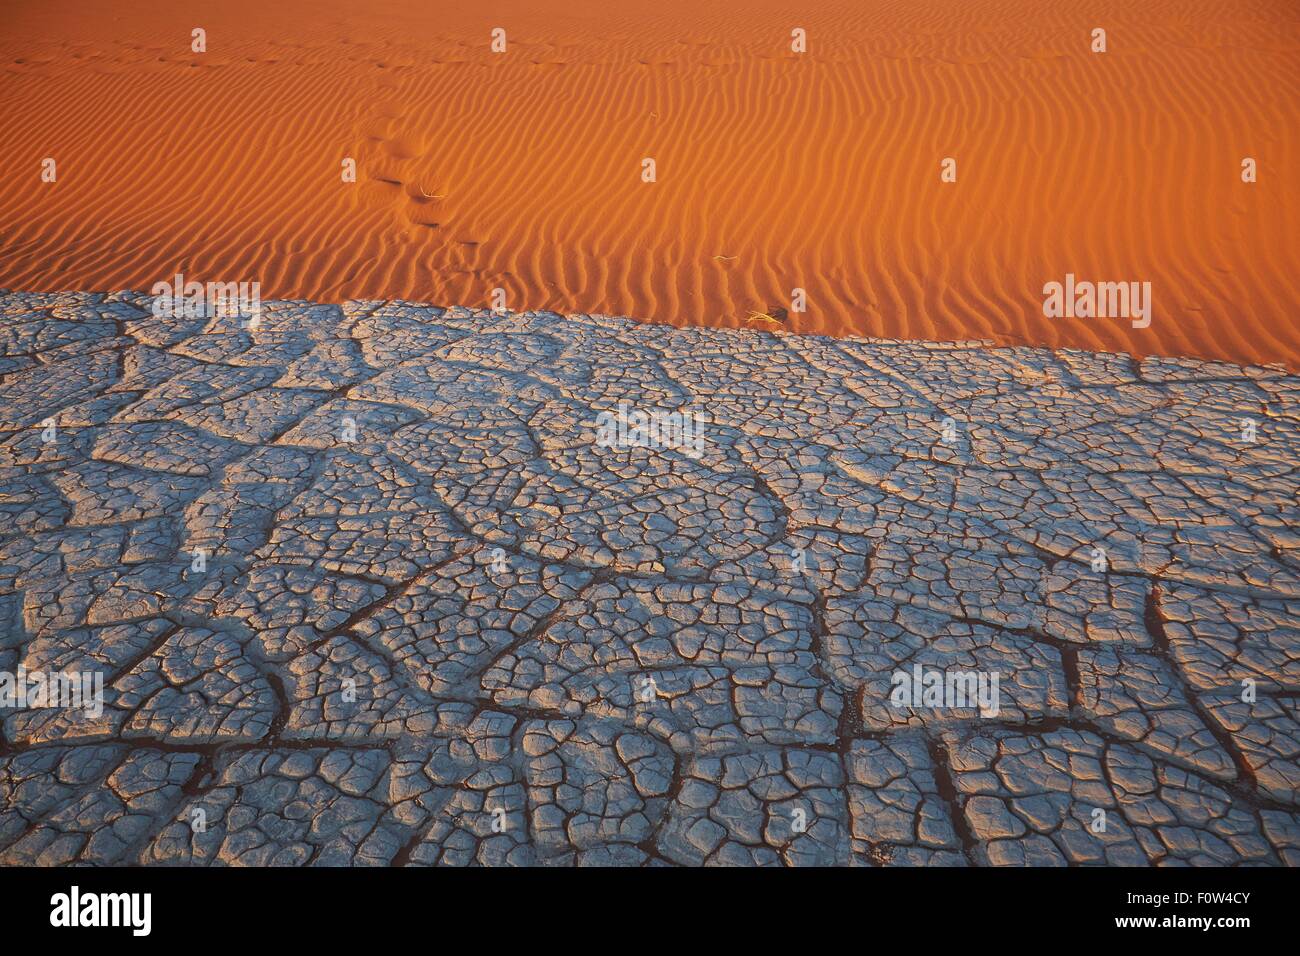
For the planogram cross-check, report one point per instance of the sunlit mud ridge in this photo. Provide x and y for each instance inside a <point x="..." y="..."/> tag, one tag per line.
<point x="365" y="584"/>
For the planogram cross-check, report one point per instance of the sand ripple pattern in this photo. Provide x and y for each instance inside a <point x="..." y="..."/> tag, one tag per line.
<point x="820" y="171"/>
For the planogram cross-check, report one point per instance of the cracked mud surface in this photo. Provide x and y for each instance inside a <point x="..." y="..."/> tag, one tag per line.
<point x="438" y="623"/>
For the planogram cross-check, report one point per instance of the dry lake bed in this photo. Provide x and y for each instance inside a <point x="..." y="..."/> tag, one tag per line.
<point x="386" y="583"/>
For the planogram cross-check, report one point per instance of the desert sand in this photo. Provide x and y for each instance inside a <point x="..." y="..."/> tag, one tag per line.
<point x="774" y="170"/>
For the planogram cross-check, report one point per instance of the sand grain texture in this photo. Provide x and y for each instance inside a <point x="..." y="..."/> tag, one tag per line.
<point x="775" y="170"/>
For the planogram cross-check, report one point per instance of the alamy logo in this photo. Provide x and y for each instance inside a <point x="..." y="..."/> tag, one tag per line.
<point x="1101" y="300"/>
<point x="179" y="299"/>
<point x="67" y="690"/>
<point x="633" y="428"/>
<point x="946" y="690"/>
<point x="73" y="909"/>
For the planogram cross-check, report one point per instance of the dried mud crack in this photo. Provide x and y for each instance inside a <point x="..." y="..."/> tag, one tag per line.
<point x="363" y="587"/>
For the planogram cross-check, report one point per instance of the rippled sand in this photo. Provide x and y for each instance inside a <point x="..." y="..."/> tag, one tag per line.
<point x="774" y="170"/>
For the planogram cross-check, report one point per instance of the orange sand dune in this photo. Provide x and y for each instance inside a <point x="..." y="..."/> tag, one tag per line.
<point x="775" y="170"/>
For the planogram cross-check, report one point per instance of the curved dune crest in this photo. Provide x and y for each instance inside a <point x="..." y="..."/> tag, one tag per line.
<point x="774" y="170"/>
